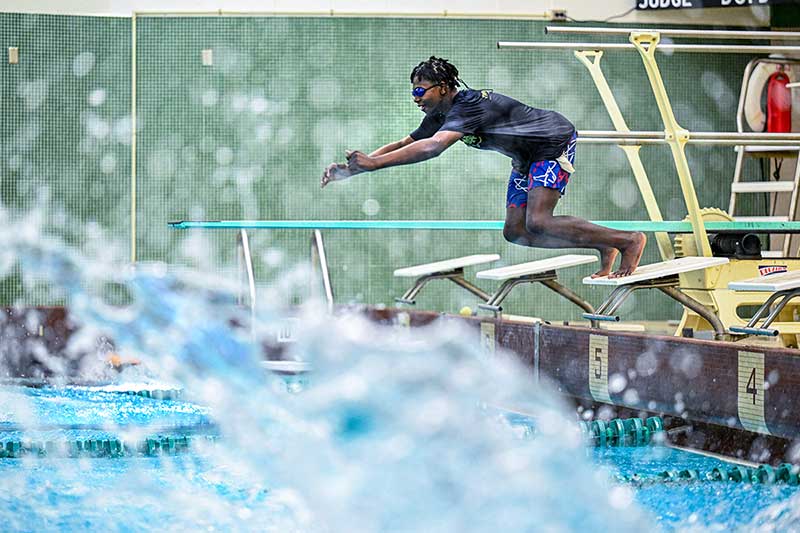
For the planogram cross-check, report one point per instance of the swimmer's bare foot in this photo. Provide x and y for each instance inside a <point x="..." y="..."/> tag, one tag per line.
<point x="607" y="256"/>
<point x="630" y="256"/>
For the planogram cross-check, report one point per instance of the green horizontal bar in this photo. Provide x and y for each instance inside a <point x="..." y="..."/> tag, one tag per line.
<point x="342" y="224"/>
<point x="630" y="225"/>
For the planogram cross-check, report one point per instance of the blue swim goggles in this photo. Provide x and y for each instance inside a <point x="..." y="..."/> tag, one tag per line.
<point x="419" y="92"/>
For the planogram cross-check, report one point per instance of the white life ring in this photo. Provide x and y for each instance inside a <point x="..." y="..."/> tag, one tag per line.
<point x="753" y="113"/>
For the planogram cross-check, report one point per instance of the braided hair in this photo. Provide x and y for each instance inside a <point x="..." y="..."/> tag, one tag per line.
<point x="437" y="70"/>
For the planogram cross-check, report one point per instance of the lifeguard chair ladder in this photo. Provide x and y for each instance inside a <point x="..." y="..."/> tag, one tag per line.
<point x="744" y="152"/>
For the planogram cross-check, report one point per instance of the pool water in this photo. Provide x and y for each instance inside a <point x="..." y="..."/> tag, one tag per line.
<point x="59" y="492"/>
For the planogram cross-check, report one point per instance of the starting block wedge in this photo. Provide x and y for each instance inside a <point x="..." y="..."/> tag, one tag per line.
<point x="452" y="269"/>
<point x="542" y="271"/>
<point x="783" y="286"/>
<point x="662" y="276"/>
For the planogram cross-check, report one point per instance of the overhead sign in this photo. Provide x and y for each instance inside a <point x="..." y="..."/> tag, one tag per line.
<point x="649" y="5"/>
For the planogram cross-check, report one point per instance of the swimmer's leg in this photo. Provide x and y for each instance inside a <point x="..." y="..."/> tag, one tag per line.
<point x="535" y="225"/>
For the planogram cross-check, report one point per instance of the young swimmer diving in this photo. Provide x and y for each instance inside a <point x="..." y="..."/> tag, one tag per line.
<point x="540" y="143"/>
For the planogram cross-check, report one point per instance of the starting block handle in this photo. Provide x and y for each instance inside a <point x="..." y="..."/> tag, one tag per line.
<point x="614" y="300"/>
<point x="456" y="276"/>
<point x="410" y="294"/>
<point x="497" y="298"/>
<point x="763" y="332"/>
<point x="768" y="312"/>
<point x="496" y="309"/>
<point x="601" y="318"/>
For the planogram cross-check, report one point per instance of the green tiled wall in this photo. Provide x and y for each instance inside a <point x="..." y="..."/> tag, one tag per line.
<point x="65" y="131"/>
<point x="248" y="137"/>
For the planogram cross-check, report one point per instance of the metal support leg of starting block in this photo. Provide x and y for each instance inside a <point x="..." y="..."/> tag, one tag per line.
<point x="456" y="276"/>
<point x="548" y="279"/>
<point x="782" y="298"/>
<point x="697" y="307"/>
<point x="667" y="285"/>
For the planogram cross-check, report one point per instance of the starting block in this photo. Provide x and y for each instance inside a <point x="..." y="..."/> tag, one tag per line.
<point x="784" y="287"/>
<point x="452" y="269"/>
<point x="662" y="276"/>
<point x="543" y="271"/>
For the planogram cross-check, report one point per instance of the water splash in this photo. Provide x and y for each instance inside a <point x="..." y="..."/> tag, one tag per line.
<point x="397" y="429"/>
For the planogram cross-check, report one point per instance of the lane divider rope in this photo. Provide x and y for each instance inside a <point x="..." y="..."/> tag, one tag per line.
<point x="621" y="432"/>
<point x="151" y="446"/>
<point x="785" y="473"/>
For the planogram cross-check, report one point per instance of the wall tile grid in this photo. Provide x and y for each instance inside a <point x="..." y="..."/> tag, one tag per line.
<point x="248" y="137"/>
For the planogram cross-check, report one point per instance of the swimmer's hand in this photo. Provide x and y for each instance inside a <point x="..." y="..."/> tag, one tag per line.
<point x="359" y="162"/>
<point x="335" y="172"/>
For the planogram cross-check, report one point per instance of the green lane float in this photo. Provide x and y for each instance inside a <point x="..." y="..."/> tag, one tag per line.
<point x="619" y="432"/>
<point x="638" y="432"/>
<point x="786" y="473"/>
<point x="155" y="394"/>
<point x="150" y="447"/>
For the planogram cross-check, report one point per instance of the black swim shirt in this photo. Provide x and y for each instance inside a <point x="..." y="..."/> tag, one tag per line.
<point x="493" y="121"/>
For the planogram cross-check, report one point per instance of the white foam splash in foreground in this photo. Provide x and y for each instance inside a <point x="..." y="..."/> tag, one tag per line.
<point x="395" y="432"/>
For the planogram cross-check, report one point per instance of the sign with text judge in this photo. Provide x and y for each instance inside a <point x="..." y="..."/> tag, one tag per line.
<point x="649" y="5"/>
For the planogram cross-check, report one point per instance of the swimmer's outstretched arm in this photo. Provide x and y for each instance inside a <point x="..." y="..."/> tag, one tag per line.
<point x="417" y="151"/>
<point x="339" y="171"/>
<point x="391" y="147"/>
<point x="402" y="152"/>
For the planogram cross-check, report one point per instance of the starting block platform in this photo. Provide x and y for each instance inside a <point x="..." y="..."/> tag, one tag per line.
<point x="452" y="269"/>
<point x="660" y="270"/>
<point x="662" y="276"/>
<point x="784" y="287"/>
<point x="542" y="271"/>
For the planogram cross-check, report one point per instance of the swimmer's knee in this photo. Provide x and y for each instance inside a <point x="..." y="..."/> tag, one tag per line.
<point x="537" y="224"/>
<point x="512" y="234"/>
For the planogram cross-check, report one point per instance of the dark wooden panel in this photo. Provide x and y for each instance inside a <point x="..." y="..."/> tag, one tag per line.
<point x="782" y="398"/>
<point x="564" y="358"/>
<point x="695" y="379"/>
<point x="29" y="336"/>
<point x="689" y="378"/>
<point x="518" y="338"/>
<point x="666" y="374"/>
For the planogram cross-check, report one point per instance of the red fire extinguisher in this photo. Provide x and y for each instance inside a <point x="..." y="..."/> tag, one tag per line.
<point x="779" y="104"/>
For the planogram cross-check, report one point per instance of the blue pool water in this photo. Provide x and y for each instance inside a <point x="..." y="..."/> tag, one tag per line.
<point x="208" y="487"/>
